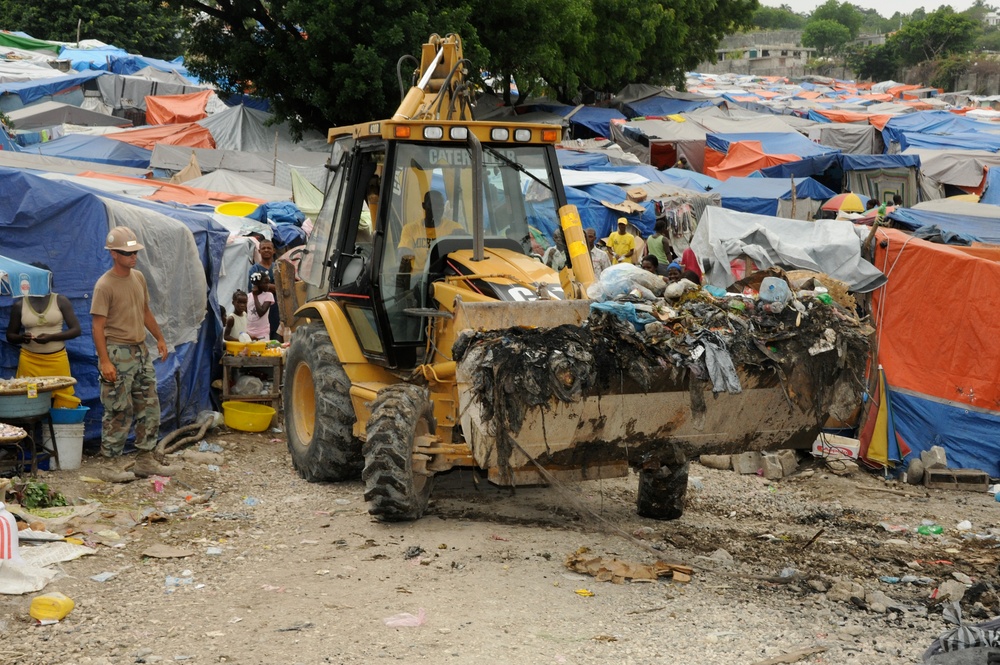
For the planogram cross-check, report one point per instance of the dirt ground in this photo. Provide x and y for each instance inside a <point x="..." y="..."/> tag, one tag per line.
<point x="284" y="571"/>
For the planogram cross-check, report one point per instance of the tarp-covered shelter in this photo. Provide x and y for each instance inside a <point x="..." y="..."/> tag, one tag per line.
<point x="257" y="165"/>
<point x="65" y="88"/>
<point x="189" y="135"/>
<point x="177" y="109"/>
<point x="726" y="157"/>
<point x="959" y="168"/>
<point x="936" y="343"/>
<point x="244" y="128"/>
<point x="584" y="121"/>
<point x="991" y="191"/>
<point x="234" y="183"/>
<point x="99" y="149"/>
<point x="65" y="226"/>
<point x="662" y="142"/>
<point x="931" y="123"/>
<point x="881" y="176"/>
<point x="829" y="246"/>
<point x="50" y="114"/>
<point x="773" y="196"/>
<point x="969" y="221"/>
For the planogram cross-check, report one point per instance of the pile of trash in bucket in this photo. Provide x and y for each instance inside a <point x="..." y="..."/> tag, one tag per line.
<point x="641" y="329"/>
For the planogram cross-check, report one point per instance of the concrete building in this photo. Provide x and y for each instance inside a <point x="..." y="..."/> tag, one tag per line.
<point x="761" y="60"/>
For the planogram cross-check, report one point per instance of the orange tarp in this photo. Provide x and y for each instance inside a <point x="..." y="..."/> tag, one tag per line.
<point x="937" y="339"/>
<point x="878" y="121"/>
<point x="171" y="193"/>
<point x="807" y="94"/>
<point x="191" y="135"/>
<point x="743" y="158"/>
<point x="173" y="109"/>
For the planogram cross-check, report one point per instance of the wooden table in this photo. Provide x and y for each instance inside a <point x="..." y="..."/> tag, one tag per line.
<point x="273" y="363"/>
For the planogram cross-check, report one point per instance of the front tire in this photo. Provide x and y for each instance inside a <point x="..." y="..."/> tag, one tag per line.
<point x="402" y="417"/>
<point x="319" y="416"/>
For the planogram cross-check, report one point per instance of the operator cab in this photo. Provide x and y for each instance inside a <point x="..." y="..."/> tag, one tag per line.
<point x="396" y="210"/>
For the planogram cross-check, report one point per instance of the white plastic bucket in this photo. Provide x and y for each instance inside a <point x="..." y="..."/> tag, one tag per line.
<point x="69" y="443"/>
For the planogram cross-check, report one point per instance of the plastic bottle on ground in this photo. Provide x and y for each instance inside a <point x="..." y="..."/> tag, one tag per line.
<point x="775" y="289"/>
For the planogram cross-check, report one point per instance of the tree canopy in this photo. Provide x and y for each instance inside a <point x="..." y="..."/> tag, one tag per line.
<point x="942" y="33"/>
<point x="778" y="18"/>
<point x="324" y="63"/>
<point x="825" y="36"/>
<point x="843" y="13"/>
<point x="146" y="27"/>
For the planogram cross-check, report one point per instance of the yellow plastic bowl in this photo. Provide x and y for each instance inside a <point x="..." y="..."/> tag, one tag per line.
<point x="236" y="208"/>
<point x="235" y="348"/>
<point x="247" y="416"/>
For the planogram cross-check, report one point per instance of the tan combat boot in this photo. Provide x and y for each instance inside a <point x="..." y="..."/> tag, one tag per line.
<point x="146" y="465"/>
<point x="109" y="469"/>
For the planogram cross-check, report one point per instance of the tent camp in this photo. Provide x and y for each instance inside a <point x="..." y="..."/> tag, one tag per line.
<point x="728" y="155"/>
<point x="64" y="226"/>
<point x="956" y="168"/>
<point x="100" y="149"/>
<point x="970" y="222"/>
<point x="50" y="114"/>
<point x="662" y="142"/>
<point x="773" y="196"/>
<point x="257" y="165"/>
<point x="244" y="128"/>
<point x="830" y="246"/>
<point x="177" y="109"/>
<point x="942" y="373"/>
<point x="638" y="99"/>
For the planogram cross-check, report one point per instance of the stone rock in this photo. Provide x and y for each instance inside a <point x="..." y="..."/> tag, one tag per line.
<point x="789" y="461"/>
<point x="915" y="472"/>
<point x="747" y="463"/>
<point x="722" y="462"/>
<point x="843" y="590"/>
<point x="844" y="468"/>
<point x="935" y="458"/>
<point x="817" y="585"/>
<point x="878" y="602"/>
<point x="772" y="466"/>
<point x="950" y="590"/>
<point x="722" y="557"/>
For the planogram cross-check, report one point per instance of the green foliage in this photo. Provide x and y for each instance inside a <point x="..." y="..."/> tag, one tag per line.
<point x="942" y="33"/>
<point x="989" y="40"/>
<point x="324" y="63"/>
<point x="826" y="36"/>
<point x="778" y="18"/>
<point x="148" y="27"/>
<point x="34" y="494"/>
<point x="843" y="13"/>
<point x="948" y="70"/>
<point x="876" y="63"/>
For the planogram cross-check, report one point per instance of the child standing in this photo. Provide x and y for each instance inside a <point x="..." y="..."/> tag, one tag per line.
<point x="236" y="323"/>
<point x="257" y="324"/>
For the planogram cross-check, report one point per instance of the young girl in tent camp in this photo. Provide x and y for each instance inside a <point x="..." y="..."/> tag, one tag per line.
<point x="43" y="339"/>
<point x="261" y="300"/>
<point x="236" y="323"/>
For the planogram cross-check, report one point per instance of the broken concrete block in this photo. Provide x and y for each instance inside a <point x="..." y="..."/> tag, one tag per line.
<point x="915" y="472"/>
<point x="789" y="461"/>
<point x="950" y="590"/>
<point x="722" y="462"/>
<point x="934" y="458"/>
<point x="844" y="468"/>
<point x="772" y="466"/>
<point x="843" y="590"/>
<point x="746" y="463"/>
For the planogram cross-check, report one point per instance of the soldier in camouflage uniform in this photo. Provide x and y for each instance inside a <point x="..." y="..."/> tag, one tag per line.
<point x="121" y="317"/>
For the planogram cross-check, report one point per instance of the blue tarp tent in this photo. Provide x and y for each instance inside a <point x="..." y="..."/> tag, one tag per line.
<point x="595" y="215"/>
<point x="868" y="162"/>
<point x="773" y="143"/>
<point x="576" y="160"/>
<point x="705" y="182"/>
<point x="587" y="122"/>
<point x="94" y="149"/>
<point x="930" y="122"/>
<point x="83" y="59"/>
<point x="64" y="225"/>
<point x="18" y="279"/>
<point x="760" y="196"/>
<point x="133" y="63"/>
<point x="805" y="167"/>
<point x="991" y="195"/>
<point x="959" y="141"/>
<point x="22" y="93"/>
<point x="984" y="229"/>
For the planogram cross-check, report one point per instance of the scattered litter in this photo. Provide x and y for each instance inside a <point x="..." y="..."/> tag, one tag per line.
<point x="271" y="587"/>
<point x="206" y="447"/>
<point x="964" y="525"/>
<point x="413" y="552"/>
<point x="298" y="626"/>
<point x="103" y="577"/>
<point x="930" y="529"/>
<point x="586" y="593"/>
<point x="251" y="501"/>
<point x="342" y="502"/>
<point x="617" y="571"/>
<point x="406" y="620"/>
<point x="172" y="582"/>
<point x="213" y="551"/>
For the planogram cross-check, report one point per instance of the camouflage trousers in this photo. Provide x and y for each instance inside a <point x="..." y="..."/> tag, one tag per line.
<point x="131" y="396"/>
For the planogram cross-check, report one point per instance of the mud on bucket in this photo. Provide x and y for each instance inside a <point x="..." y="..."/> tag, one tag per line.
<point x="69" y="444"/>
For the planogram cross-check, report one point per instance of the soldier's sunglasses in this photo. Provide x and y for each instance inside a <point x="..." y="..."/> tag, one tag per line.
<point x="125" y="253"/>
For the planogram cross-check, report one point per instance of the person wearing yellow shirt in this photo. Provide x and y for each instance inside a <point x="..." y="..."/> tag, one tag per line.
<point x="418" y="236"/>
<point x="622" y="243"/>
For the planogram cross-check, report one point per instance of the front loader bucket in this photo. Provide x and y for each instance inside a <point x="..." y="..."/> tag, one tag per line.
<point x="601" y="430"/>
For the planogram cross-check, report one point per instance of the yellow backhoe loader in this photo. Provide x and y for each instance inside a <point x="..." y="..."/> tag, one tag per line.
<point x="425" y="232"/>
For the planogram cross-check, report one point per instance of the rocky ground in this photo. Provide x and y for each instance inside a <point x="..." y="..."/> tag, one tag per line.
<point x="284" y="571"/>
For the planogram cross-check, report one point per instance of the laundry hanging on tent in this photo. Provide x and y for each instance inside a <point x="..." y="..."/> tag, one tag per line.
<point x="881" y="445"/>
<point x="21" y="279"/>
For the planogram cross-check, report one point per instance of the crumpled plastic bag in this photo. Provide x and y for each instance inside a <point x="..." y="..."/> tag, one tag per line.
<point x="623" y="278"/>
<point x="406" y="620"/>
<point x="625" y="311"/>
<point x="248" y="385"/>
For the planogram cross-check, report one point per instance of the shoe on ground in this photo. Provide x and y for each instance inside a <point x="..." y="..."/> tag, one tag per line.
<point x="146" y="465"/>
<point x="110" y="471"/>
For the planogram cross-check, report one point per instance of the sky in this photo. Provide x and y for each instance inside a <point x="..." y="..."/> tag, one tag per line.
<point x="884" y="8"/>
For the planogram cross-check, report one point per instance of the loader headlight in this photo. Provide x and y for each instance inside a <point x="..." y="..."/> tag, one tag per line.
<point x="522" y="135"/>
<point x="433" y="133"/>
<point x="499" y="134"/>
<point x="458" y="133"/>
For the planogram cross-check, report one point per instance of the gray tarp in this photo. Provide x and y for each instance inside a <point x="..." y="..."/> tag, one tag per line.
<point x="27" y="160"/>
<point x="241" y="185"/>
<point x="849" y="138"/>
<point x="246" y="129"/>
<point x="256" y="165"/>
<point x="119" y="91"/>
<point x="178" y="289"/>
<point x="827" y="246"/>
<point x="962" y="168"/>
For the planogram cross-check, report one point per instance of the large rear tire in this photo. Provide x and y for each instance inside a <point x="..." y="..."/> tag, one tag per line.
<point x="662" y="489"/>
<point x="319" y="416"/>
<point x="402" y="417"/>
